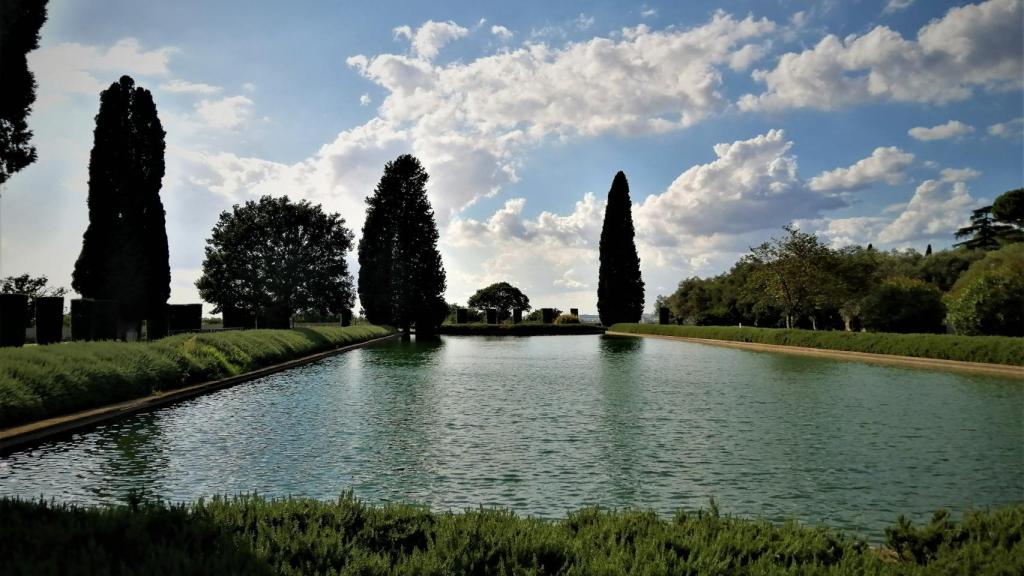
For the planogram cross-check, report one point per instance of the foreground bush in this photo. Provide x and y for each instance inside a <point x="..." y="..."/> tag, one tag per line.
<point x="252" y="535"/>
<point x="991" y="349"/>
<point x="523" y="329"/>
<point x="42" y="381"/>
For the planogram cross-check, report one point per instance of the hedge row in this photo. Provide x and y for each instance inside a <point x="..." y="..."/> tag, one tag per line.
<point x="991" y="349"/>
<point x="43" y="381"/>
<point x="523" y="329"/>
<point x="252" y="535"/>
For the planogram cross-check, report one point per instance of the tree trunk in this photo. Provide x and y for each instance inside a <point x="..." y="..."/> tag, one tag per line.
<point x="814" y="323"/>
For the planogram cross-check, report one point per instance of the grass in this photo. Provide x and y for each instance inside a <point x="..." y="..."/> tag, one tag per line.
<point x="253" y="535"/>
<point x="44" y="381"/>
<point x="990" y="349"/>
<point x="521" y="329"/>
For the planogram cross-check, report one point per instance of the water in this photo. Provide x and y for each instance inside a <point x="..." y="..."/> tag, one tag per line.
<point x="545" y="425"/>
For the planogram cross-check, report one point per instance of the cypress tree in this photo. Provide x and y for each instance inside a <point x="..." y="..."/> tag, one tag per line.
<point x="620" y="288"/>
<point x="401" y="276"/>
<point x="20" y="21"/>
<point x="124" y="249"/>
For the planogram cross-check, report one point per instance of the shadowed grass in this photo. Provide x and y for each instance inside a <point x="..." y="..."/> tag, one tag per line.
<point x="254" y="535"/>
<point x="43" y="381"/>
<point x="990" y="349"/>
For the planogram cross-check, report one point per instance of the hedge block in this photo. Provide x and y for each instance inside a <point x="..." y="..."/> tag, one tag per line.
<point x="49" y="319"/>
<point x="13" y="319"/>
<point x="662" y="315"/>
<point x="346" y="317"/>
<point x="184" y="318"/>
<point x="574" y="312"/>
<point x="547" y="315"/>
<point x="492" y="316"/>
<point x="93" y="319"/>
<point x="461" y="315"/>
<point x="517" y="316"/>
<point x="238" y="318"/>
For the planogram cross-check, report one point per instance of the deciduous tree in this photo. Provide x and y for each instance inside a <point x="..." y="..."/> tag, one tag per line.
<point x="502" y="296"/>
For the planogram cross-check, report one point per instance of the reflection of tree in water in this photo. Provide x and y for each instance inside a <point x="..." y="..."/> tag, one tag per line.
<point x="132" y="460"/>
<point x="620" y="413"/>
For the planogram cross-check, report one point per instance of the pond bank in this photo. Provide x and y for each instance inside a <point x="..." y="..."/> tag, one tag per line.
<point x="870" y="357"/>
<point x="20" y="435"/>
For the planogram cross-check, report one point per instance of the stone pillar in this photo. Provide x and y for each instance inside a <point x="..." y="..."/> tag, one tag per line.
<point x="49" y="319"/>
<point x="13" y="319"/>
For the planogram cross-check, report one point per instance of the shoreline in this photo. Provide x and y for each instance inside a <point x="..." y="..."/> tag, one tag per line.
<point x="22" y="435"/>
<point x="1004" y="370"/>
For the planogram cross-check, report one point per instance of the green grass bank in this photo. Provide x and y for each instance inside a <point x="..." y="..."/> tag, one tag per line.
<point x="43" y="381"/>
<point x="252" y="535"/>
<point x="990" y="349"/>
<point x="522" y="329"/>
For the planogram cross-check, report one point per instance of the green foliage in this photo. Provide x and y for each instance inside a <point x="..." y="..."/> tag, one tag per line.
<point x="502" y="296"/>
<point x="401" y="276"/>
<point x="521" y="329"/>
<point x="20" y="21"/>
<point x="943" y="268"/>
<point x="538" y="315"/>
<point x="985" y="232"/>
<point x="989" y="297"/>
<point x="253" y="535"/>
<point x="44" y="381"/>
<point x="903" y="305"/>
<point x="124" y="249"/>
<point x="277" y="257"/>
<point x="1009" y="208"/>
<point x="620" y="288"/>
<point x="992" y="349"/>
<point x="567" y="319"/>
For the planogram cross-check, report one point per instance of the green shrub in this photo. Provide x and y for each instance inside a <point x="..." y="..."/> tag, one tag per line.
<point x="43" y="381"/>
<point x="904" y="305"/>
<point x="567" y="319"/>
<point x="253" y="535"/>
<point x="989" y="297"/>
<point x="992" y="349"/>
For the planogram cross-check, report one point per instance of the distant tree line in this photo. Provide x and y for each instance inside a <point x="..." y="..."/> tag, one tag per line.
<point x="796" y="281"/>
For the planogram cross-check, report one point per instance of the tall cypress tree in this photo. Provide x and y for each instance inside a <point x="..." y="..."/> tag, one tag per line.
<point x="620" y="289"/>
<point x="401" y="276"/>
<point x="20" y="21"/>
<point x="124" y="250"/>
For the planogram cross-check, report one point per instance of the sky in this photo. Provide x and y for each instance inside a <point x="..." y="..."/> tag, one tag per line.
<point x="870" y="121"/>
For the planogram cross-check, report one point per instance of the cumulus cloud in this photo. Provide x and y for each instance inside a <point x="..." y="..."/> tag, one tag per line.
<point x="951" y="129"/>
<point x="71" y="68"/>
<point x="186" y="87"/>
<point x="648" y="12"/>
<point x="428" y="39"/>
<point x="896" y="6"/>
<point x="502" y="32"/>
<point x="886" y="164"/>
<point x="225" y="113"/>
<point x="958" y="174"/>
<point x="842" y="232"/>
<point x="365" y="100"/>
<point x="972" y="47"/>
<point x="936" y="209"/>
<point x="1008" y="129"/>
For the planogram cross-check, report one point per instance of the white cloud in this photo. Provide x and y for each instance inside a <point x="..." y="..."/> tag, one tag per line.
<point x="896" y="5"/>
<point x="958" y="174"/>
<point x="365" y="100"/>
<point x="1008" y="129"/>
<point x="226" y="113"/>
<point x="648" y="12"/>
<point x="886" y="164"/>
<point x="746" y="56"/>
<point x="428" y="39"/>
<point x="937" y="209"/>
<point x="841" y="232"/>
<point x="584" y="22"/>
<point x="972" y="47"/>
<point x="502" y="32"/>
<point x="71" y="68"/>
<point x="951" y="129"/>
<point x="186" y="87"/>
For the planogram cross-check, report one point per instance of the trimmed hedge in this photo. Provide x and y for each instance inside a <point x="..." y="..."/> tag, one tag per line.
<point x="523" y="329"/>
<point x="253" y="535"/>
<point x="44" y="381"/>
<point x="990" y="349"/>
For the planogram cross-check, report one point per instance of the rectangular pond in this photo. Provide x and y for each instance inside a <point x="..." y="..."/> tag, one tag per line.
<point x="545" y="425"/>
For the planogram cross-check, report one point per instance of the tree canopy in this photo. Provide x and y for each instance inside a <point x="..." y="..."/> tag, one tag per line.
<point x="20" y="21"/>
<point x="33" y="286"/>
<point x="124" y="253"/>
<point x="277" y="256"/>
<point x="502" y="296"/>
<point x="401" y="276"/>
<point x="989" y="297"/>
<point x="620" y="288"/>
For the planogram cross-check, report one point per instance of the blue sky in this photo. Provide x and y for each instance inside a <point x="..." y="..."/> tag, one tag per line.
<point x="870" y="121"/>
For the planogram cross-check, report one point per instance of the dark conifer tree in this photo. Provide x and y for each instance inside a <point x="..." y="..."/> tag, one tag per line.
<point x="401" y="276"/>
<point x="928" y="250"/>
<point x="124" y="250"/>
<point x="620" y="288"/>
<point x="20" y="21"/>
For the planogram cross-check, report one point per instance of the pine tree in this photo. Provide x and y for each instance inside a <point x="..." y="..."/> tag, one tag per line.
<point x="20" y="21"/>
<point x="620" y="288"/>
<point x="124" y="250"/>
<point x="401" y="276"/>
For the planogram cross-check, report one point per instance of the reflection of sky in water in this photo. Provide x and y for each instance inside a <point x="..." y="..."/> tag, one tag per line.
<point x="545" y="425"/>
